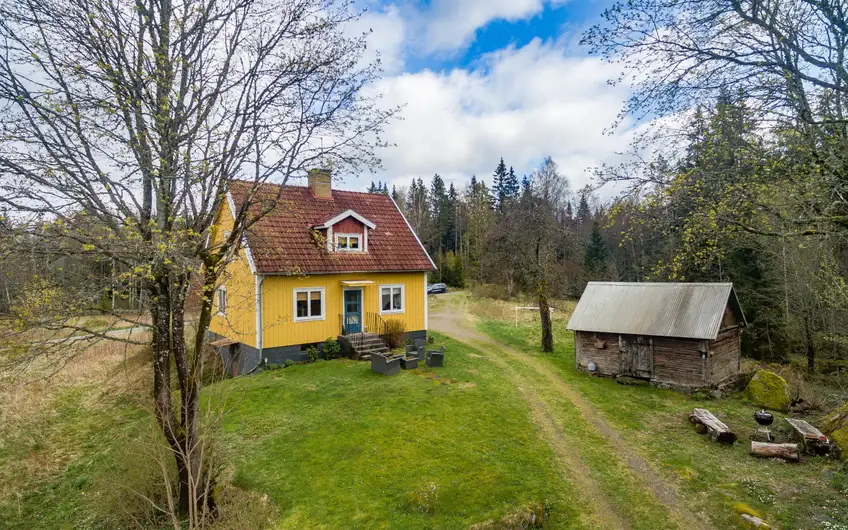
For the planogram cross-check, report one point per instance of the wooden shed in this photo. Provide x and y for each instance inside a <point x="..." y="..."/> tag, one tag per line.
<point x="677" y="334"/>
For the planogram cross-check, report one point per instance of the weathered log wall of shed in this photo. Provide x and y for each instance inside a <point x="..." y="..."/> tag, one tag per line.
<point x="602" y="348"/>
<point x="679" y="362"/>
<point x="724" y="355"/>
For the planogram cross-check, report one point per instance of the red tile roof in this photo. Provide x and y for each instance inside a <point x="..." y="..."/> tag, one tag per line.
<point x="284" y="242"/>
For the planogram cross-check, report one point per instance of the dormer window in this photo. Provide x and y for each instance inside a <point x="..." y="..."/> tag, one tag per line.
<point x="346" y="232"/>
<point x="349" y="242"/>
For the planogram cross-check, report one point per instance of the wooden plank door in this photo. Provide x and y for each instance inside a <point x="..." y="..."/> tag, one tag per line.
<point x="643" y="357"/>
<point x="636" y="356"/>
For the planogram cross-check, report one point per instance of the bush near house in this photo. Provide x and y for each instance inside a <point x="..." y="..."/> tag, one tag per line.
<point x="394" y="333"/>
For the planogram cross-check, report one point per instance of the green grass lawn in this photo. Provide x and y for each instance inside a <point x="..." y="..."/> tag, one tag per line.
<point x="712" y="478"/>
<point x="336" y="445"/>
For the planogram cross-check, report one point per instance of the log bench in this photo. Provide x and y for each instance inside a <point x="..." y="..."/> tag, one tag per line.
<point x="810" y="438"/>
<point x="706" y="423"/>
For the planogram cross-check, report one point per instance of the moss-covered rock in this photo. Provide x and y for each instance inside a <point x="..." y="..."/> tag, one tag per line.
<point x="835" y="425"/>
<point x="769" y="390"/>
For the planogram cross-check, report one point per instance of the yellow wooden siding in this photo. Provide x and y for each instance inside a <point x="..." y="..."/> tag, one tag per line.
<point x="239" y="322"/>
<point x="279" y="328"/>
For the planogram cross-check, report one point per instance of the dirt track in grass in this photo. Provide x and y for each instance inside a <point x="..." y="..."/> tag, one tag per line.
<point x="603" y="511"/>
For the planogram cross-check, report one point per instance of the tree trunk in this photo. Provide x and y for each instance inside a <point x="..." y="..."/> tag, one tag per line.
<point x="808" y="337"/>
<point x="194" y="498"/>
<point x="545" y="316"/>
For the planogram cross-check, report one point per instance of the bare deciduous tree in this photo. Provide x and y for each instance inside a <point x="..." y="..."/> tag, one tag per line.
<point x="135" y="114"/>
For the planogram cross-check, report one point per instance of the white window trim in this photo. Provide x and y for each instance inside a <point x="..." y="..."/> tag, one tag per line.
<point x="221" y="288"/>
<point x="358" y="236"/>
<point x="310" y="318"/>
<point x="402" y="299"/>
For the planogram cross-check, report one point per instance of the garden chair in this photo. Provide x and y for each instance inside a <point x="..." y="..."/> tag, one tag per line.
<point x="383" y="365"/>
<point x="436" y="357"/>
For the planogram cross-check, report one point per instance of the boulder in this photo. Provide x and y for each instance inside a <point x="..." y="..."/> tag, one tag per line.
<point x="769" y="390"/>
<point x="835" y="425"/>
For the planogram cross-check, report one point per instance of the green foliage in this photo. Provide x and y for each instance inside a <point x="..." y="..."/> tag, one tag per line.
<point x="451" y="269"/>
<point x="332" y="348"/>
<point x="312" y="352"/>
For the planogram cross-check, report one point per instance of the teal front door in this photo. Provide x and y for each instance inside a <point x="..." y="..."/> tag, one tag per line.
<point x="353" y="310"/>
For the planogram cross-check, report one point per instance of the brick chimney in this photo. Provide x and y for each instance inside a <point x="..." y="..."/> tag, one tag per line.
<point x="320" y="183"/>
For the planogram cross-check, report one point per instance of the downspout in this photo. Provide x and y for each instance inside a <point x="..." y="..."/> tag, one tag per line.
<point x="259" y="279"/>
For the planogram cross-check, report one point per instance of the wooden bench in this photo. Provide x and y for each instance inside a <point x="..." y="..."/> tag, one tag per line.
<point x="706" y="423"/>
<point x="810" y="438"/>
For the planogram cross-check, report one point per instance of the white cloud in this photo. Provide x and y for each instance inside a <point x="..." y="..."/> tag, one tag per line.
<point x="451" y="24"/>
<point x="444" y="26"/>
<point x="520" y="104"/>
<point x="387" y="38"/>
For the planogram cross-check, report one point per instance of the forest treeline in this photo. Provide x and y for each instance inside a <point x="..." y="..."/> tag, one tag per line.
<point x="698" y="222"/>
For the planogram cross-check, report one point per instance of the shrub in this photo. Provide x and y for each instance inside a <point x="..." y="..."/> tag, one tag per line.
<point x="394" y="333"/>
<point x="332" y="349"/>
<point x="312" y="352"/>
<point x="489" y="290"/>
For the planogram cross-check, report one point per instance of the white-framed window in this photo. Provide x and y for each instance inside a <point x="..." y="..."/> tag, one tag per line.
<point x="308" y="304"/>
<point x="222" y="300"/>
<point x="391" y="298"/>
<point x="349" y="242"/>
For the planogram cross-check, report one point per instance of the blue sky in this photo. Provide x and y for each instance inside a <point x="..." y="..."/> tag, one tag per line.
<point x="484" y="79"/>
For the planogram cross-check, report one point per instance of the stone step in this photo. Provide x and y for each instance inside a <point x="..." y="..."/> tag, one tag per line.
<point x="371" y="349"/>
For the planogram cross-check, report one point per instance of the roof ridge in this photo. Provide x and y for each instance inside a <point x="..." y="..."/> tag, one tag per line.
<point x="293" y="186"/>
<point x="658" y="283"/>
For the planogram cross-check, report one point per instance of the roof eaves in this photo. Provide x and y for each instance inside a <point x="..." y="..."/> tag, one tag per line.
<point x="244" y="242"/>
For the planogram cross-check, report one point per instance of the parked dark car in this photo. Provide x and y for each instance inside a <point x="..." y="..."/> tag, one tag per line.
<point x="435" y="288"/>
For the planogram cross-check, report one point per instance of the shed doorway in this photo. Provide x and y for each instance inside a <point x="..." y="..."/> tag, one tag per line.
<point x="636" y="356"/>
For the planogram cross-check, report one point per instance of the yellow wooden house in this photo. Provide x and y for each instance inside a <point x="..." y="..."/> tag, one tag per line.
<point x="323" y="263"/>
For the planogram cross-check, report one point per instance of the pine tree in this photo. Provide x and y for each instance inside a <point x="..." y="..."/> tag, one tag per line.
<point x="511" y="186"/>
<point x="597" y="254"/>
<point x="499" y="186"/>
<point x="569" y="211"/>
<point x="584" y="211"/>
<point x="525" y="186"/>
<point x="372" y="188"/>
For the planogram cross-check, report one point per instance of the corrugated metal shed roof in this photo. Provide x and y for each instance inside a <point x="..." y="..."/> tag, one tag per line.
<point x="683" y="310"/>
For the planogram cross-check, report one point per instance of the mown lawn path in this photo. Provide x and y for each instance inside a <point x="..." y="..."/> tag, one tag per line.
<point x="458" y="323"/>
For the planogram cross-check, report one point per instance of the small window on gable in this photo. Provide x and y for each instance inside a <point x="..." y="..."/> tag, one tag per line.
<point x="222" y="300"/>
<point x="349" y="242"/>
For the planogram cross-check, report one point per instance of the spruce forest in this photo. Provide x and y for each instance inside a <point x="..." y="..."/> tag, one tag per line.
<point x="724" y="211"/>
